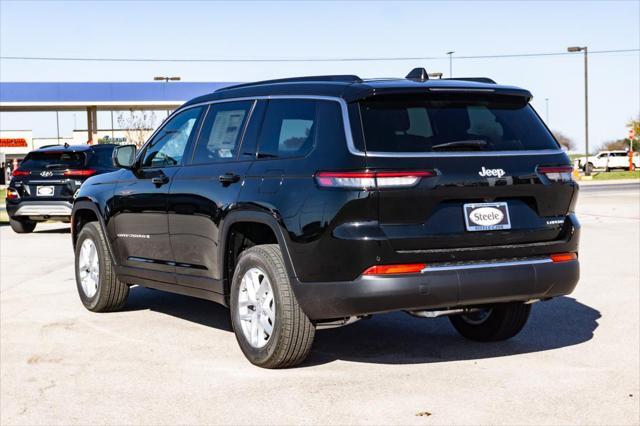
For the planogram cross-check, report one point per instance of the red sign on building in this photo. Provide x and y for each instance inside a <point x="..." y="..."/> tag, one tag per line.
<point x="13" y="143"/>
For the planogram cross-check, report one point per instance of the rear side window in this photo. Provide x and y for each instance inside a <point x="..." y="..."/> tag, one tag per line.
<point x="52" y="160"/>
<point x="101" y="158"/>
<point x="288" y="129"/>
<point x="221" y="133"/>
<point x="452" y="123"/>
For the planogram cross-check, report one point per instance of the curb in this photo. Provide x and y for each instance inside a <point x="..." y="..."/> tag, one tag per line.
<point x="607" y="182"/>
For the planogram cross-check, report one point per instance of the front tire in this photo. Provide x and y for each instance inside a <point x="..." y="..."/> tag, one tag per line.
<point x="270" y="327"/>
<point x="98" y="287"/>
<point x="498" y="322"/>
<point x="22" y="226"/>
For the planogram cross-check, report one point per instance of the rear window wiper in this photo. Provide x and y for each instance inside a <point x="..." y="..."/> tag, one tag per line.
<point x="472" y="143"/>
<point x="55" y="165"/>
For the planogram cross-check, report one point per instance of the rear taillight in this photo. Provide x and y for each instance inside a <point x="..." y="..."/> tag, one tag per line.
<point x="563" y="257"/>
<point x="12" y="194"/>
<point x="371" y="180"/>
<point x="406" y="268"/>
<point x="18" y="172"/>
<point x="556" y="173"/>
<point x="79" y="173"/>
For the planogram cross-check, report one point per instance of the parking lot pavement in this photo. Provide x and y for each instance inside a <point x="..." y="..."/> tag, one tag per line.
<point x="172" y="359"/>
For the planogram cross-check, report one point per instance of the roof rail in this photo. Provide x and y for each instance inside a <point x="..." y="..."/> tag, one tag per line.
<point x="318" y="78"/>
<point x="476" y="79"/>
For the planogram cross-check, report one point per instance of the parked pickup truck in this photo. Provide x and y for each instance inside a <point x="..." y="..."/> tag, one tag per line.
<point x="608" y="160"/>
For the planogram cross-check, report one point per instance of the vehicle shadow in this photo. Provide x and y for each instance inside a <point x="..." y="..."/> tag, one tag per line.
<point x="398" y="338"/>
<point x="187" y="308"/>
<point x="65" y="230"/>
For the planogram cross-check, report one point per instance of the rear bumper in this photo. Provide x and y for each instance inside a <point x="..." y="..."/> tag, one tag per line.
<point x="44" y="209"/>
<point x="439" y="287"/>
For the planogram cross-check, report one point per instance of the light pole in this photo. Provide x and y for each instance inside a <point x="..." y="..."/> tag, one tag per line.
<point x="166" y="79"/>
<point x="450" y="53"/>
<point x="587" y="172"/>
<point x="58" y="127"/>
<point x="546" y="110"/>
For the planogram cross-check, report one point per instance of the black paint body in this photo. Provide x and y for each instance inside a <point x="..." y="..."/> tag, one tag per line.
<point x="176" y="235"/>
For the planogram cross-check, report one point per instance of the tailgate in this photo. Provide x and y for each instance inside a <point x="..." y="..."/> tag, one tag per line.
<point x="432" y="215"/>
<point x="495" y="173"/>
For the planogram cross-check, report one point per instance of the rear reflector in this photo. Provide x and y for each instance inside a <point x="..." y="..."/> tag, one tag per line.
<point x="563" y="257"/>
<point x="18" y="172"/>
<point x="371" y="180"/>
<point x="556" y="173"/>
<point x="83" y="172"/>
<point x="408" y="268"/>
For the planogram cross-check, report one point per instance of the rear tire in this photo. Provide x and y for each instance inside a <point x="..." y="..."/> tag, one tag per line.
<point x="98" y="287"/>
<point x="502" y="322"/>
<point x="22" y="226"/>
<point x="287" y="335"/>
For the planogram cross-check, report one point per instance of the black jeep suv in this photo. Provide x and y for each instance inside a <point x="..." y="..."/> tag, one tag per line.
<point x="313" y="202"/>
<point x="44" y="185"/>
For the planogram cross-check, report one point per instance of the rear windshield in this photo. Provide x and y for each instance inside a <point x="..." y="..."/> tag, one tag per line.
<point x="452" y="123"/>
<point x="53" y="160"/>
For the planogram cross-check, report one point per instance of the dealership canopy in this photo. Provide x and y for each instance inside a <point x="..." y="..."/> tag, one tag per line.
<point x="102" y="96"/>
<point x="93" y="97"/>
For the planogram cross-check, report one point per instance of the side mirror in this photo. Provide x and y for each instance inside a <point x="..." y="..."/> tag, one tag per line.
<point x="124" y="156"/>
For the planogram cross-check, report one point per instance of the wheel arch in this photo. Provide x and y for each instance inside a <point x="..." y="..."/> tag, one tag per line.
<point x="257" y="222"/>
<point x="84" y="212"/>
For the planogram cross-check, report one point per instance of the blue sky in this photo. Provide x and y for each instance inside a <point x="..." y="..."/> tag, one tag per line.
<point x="249" y="30"/>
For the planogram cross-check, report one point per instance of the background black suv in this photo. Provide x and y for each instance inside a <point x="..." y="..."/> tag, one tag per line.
<point x="312" y="202"/>
<point x="42" y="188"/>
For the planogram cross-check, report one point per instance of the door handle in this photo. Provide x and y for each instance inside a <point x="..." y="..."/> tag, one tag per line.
<point x="160" y="180"/>
<point x="228" y="178"/>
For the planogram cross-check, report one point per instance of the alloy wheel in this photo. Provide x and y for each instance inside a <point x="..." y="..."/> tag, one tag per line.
<point x="256" y="307"/>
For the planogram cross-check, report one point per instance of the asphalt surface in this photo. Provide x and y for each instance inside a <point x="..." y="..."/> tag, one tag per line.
<point x="172" y="359"/>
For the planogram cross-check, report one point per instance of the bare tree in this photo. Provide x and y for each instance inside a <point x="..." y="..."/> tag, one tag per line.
<point x="564" y="140"/>
<point x="137" y="125"/>
<point x="619" y="145"/>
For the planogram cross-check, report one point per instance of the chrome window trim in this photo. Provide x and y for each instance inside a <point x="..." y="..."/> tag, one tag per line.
<point x="346" y="123"/>
<point x="343" y="107"/>
<point x="461" y="153"/>
<point x="486" y="265"/>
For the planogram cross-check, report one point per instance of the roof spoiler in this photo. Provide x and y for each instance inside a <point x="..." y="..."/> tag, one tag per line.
<point x="65" y="145"/>
<point x="475" y="79"/>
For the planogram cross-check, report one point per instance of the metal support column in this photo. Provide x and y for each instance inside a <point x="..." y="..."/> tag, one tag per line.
<point x="92" y="125"/>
